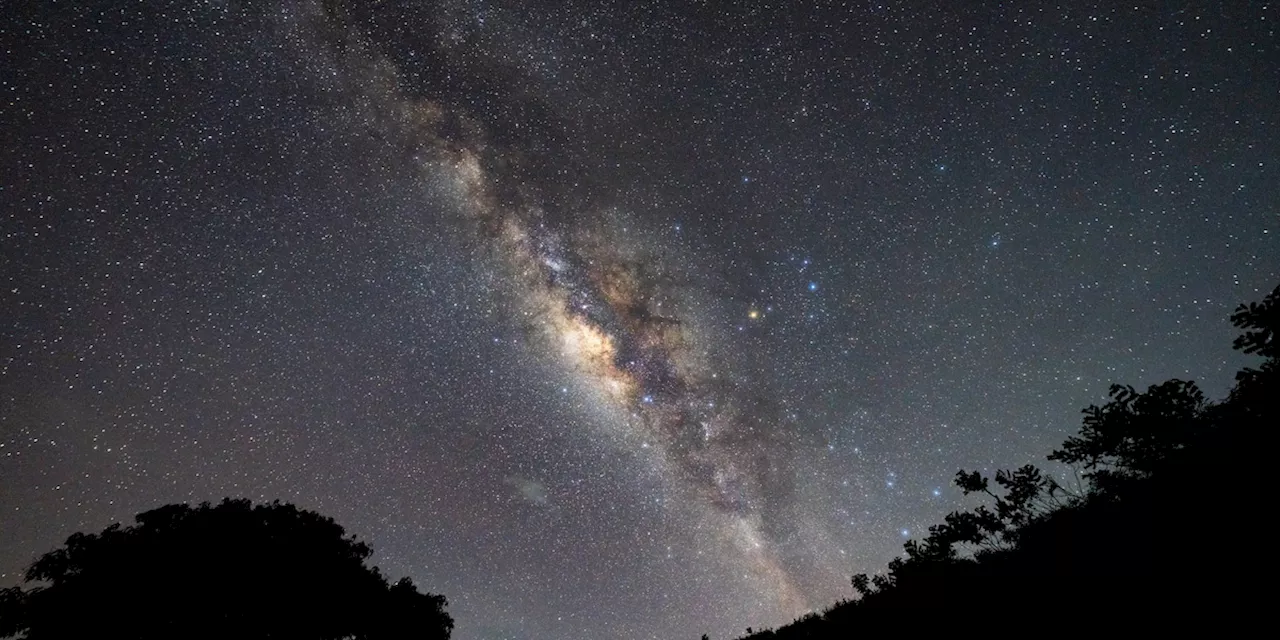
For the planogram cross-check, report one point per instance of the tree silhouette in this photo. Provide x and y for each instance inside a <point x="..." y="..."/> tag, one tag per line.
<point x="1165" y="472"/>
<point x="1261" y="324"/>
<point x="1254" y="397"/>
<point x="231" y="570"/>
<point x="1135" y="433"/>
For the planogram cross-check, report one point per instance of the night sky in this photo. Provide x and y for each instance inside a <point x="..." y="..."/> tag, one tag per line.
<point x="633" y="320"/>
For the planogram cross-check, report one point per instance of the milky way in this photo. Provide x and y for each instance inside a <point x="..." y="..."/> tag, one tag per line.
<point x="608" y="320"/>
<point x="613" y="314"/>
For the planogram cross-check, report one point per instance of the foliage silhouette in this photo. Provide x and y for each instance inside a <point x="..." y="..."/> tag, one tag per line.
<point x="1142" y="542"/>
<point x="231" y="570"/>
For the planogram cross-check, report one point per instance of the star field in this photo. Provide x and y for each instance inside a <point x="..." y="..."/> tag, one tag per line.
<point x="608" y="320"/>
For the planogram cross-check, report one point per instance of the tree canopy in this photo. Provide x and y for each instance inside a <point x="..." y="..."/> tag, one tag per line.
<point x="231" y="570"/>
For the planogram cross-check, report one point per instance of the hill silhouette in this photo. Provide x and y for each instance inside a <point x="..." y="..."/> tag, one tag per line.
<point x="1160" y="534"/>
<point x="231" y="570"/>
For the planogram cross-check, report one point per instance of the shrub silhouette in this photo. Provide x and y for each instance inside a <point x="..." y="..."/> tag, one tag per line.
<point x="231" y="570"/>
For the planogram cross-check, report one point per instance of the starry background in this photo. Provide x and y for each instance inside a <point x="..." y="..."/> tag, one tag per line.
<point x="239" y="259"/>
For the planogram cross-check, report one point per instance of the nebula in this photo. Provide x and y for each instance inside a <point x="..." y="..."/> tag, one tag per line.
<point x="611" y="316"/>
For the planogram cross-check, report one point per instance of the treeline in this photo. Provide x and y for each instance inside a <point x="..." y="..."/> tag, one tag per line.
<point x="1167" y="527"/>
